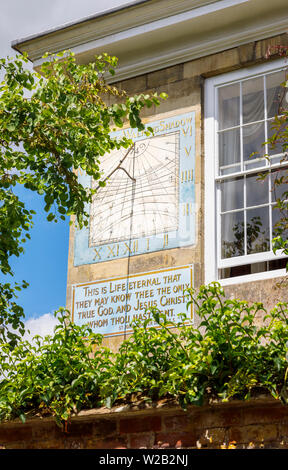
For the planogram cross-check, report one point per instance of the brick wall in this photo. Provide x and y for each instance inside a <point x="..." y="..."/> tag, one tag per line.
<point x="258" y="423"/>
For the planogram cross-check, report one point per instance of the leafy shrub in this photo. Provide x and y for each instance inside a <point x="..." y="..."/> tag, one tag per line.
<point x="228" y="355"/>
<point x="56" y="375"/>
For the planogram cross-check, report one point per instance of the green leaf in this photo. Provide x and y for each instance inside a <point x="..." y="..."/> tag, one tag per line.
<point x="23" y="418"/>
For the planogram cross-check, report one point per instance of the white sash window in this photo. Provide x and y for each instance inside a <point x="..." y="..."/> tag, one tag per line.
<point x="239" y="209"/>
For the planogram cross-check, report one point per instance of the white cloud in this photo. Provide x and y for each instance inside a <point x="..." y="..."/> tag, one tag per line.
<point x="41" y="326"/>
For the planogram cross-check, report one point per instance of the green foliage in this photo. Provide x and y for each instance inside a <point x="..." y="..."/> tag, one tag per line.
<point x="227" y="356"/>
<point x="55" y="375"/>
<point x="51" y="125"/>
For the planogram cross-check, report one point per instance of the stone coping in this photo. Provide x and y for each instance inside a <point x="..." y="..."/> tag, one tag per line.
<point x="142" y="408"/>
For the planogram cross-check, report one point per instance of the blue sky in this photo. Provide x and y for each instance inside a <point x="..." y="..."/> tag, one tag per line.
<point x="44" y="264"/>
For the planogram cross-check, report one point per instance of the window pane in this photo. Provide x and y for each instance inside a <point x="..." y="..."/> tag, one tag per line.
<point x="232" y="229"/>
<point x="229" y="148"/>
<point x="256" y="163"/>
<point x="258" y="230"/>
<point x="257" y="191"/>
<point x="278" y="264"/>
<point x="276" y="95"/>
<point x="253" y="100"/>
<point x="253" y="268"/>
<point x="253" y="138"/>
<point x="232" y="194"/>
<point x="279" y="183"/>
<point x="229" y="106"/>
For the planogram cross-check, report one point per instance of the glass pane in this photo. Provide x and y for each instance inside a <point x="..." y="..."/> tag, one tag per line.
<point x="279" y="183"/>
<point x="253" y="138"/>
<point x="276" y="94"/>
<point x="257" y="191"/>
<point x="235" y="271"/>
<point x="274" y="148"/>
<point x="253" y="99"/>
<point x="232" y="229"/>
<point x="258" y="230"/>
<point x="257" y="163"/>
<point x="232" y="194"/>
<point x="278" y="264"/>
<point x="228" y="171"/>
<point x="229" y="148"/>
<point x="229" y="106"/>
<point x="279" y="223"/>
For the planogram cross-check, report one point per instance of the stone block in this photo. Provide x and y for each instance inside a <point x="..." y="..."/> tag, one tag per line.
<point x="134" y="85"/>
<point x="165" y="76"/>
<point x="212" y="64"/>
<point x="270" y="44"/>
<point x="246" y="53"/>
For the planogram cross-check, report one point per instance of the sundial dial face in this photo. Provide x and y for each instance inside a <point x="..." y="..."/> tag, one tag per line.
<point x="148" y="203"/>
<point x="141" y="197"/>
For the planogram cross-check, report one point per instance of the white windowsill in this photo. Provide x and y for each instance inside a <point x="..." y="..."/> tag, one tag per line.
<point x="253" y="277"/>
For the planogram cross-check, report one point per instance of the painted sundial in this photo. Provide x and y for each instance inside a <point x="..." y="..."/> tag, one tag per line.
<point x="141" y="197"/>
<point x="148" y="203"/>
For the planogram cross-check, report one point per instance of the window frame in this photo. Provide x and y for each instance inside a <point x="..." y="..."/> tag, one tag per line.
<point x="212" y="197"/>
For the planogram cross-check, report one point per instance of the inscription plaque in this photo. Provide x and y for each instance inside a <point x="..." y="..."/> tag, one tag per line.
<point x="109" y="306"/>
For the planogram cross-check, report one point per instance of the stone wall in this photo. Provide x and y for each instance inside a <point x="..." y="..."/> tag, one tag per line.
<point x="258" y="423"/>
<point x="184" y="85"/>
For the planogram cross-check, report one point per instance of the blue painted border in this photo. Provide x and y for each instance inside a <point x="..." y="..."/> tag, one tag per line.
<point x="185" y="235"/>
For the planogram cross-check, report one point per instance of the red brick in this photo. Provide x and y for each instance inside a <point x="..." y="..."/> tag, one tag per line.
<point x="50" y="444"/>
<point x="212" y="436"/>
<point x="75" y="429"/>
<point x="109" y="444"/>
<point x="142" y="441"/>
<point x="264" y="414"/>
<point x="74" y="443"/>
<point x="175" y="440"/>
<point x="216" y="417"/>
<point x="15" y="433"/>
<point x="254" y="433"/>
<point x="149" y="423"/>
<point x="44" y="444"/>
<point x="104" y="427"/>
<point x="177" y="423"/>
<point x="283" y="430"/>
<point x="16" y="445"/>
<point x="45" y="430"/>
